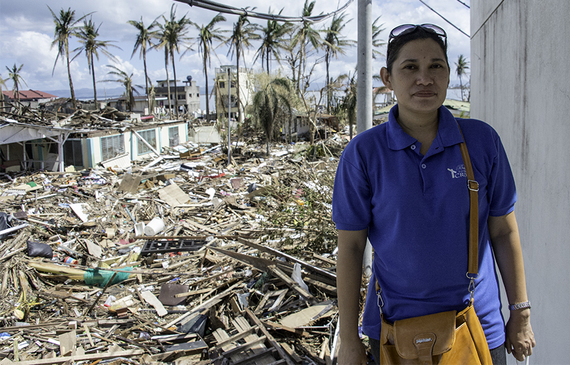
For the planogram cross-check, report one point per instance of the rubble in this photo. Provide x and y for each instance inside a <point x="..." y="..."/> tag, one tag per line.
<point x="183" y="259"/>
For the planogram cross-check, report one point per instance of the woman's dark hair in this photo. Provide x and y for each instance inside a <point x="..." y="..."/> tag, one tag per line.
<point x="396" y="44"/>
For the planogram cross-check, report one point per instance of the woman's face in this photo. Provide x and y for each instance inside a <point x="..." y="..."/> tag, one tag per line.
<point x="419" y="77"/>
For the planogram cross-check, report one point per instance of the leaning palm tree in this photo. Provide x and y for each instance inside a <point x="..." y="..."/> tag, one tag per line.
<point x="65" y="27"/>
<point x="14" y="75"/>
<point x="172" y="35"/>
<point x="144" y="41"/>
<point x="376" y="41"/>
<point x="269" y="102"/>
<point x="91" y="45"/>
<point x="243" y="32"/>
<point x="460" y="67"/>
<point x="272" y="41"/>
<point x="2" y="84"/>
<point x="126" y="80"/>
<point x="207" y="34"/>
<point x="305" y="34"/>
<point x="334" y="44"/>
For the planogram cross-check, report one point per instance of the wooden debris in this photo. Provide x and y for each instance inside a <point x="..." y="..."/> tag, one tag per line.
<point x="214" y="285"/>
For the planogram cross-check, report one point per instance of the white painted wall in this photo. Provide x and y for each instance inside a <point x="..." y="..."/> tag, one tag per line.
<point x="520" y="84"/>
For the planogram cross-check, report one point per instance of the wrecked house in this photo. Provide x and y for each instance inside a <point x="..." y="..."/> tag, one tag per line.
<point x="84" y="140"/>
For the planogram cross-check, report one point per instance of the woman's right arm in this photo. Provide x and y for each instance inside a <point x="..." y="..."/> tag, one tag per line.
<point x="351" y="246"/>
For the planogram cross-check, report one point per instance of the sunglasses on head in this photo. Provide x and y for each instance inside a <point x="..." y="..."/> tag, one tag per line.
<point x="410" y="28"/>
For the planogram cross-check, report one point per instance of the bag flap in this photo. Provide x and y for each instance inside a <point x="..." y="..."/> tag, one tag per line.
<point x="434" y="333"/>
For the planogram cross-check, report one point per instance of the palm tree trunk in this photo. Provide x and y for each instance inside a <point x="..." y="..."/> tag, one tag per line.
<point x="207" y="95"/>
<point x="146" y="83"/>
<point x="94" y="84"/>
<point x="69" y="76"/>
<point x="175" y="86"/>
<point x="461" y="87"/>
<point x="167" y="81"/>
<point x="267" y="61"/>
<point x="239" y="108"/>
<point x="327" y="61"/>
<point x="301" y="64"/>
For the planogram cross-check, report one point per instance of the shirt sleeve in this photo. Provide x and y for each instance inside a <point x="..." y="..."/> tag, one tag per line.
<point x="502" y="191"/>
<point x="351" y="194"/>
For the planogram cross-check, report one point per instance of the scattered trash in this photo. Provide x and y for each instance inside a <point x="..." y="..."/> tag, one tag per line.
<point x="180" y="259"/>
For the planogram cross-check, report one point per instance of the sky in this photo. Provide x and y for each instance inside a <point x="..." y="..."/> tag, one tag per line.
<point x="27" y="32"/>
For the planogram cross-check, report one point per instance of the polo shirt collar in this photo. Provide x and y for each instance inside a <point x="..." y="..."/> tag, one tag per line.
<point x="448" y="133"/>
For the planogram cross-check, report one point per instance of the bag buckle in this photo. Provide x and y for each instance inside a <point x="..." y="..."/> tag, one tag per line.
<point x="472" y="185"/>
<point x="379" y="300"/>
<point x="471" y="287"/>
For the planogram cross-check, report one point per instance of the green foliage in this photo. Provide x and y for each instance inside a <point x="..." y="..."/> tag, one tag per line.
<point x="87" y="36"/>
<point x="271" y="103"/>
<point x="127" y="81"/>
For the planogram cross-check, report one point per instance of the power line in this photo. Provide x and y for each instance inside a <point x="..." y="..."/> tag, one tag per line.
<point x="222" y="8"/>
<point x="442" y="17"/>
<point x="468" y="7"/>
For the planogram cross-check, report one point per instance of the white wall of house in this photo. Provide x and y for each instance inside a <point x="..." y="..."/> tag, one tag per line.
<point x="519" y="84"/>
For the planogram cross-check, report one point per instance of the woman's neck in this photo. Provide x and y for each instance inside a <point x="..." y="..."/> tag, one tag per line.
<point x="422" y="127"/>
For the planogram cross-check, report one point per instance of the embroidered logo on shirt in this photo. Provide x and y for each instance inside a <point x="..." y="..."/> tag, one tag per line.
<point x="458" y="172"/>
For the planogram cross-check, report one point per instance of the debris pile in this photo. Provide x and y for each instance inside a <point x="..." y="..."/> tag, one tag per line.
<point x="184" y="259"/>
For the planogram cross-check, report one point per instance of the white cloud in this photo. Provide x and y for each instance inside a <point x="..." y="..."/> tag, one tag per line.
<point x="26" y="33"/>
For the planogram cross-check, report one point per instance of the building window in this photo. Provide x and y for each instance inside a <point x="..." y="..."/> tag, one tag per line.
<point x="222" y="85"/>
<point x="181" y="97"/>
<point x="173" y="139"/>
<point x="150" y="137"/>
<point x="72" y="154"/>
<point x="189" y="96"/>
<point x="112" y="146"/>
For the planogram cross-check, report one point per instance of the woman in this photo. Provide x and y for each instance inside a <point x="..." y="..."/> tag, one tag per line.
<point x="402" y="185"/>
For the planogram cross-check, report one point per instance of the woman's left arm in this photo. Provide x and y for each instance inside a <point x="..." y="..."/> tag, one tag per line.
<point x="506" y="243"/>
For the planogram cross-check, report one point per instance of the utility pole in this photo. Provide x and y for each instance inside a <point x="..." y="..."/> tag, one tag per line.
<point x="364" y="90"/>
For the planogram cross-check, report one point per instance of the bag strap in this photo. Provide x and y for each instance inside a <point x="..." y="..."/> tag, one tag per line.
<point x="473" y="186"/>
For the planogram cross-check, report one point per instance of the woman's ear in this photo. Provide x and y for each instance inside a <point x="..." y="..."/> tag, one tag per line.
<point x="385" y="76"/>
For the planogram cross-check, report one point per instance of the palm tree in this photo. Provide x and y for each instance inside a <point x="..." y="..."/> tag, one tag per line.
<point x="376" y="41"/>
<point x="333" y="45"/>
<point x="65" y="27"/>
<point x="144" y="41"/>
<point x="14" y="75"/>
<point x="127" y="81"/>
<point x="305" y="34"/>
<point x="243" y="32"/>
<point x="269" y="102"/>
<point x="2" y="84"/>
<point x="207" y="34"/>
<point x="460" y="67"/>
<point x="91" y="45"/>
<point x="349" y="102"/>
<point x="272" y="41"/>
<point x="172" y="35"/>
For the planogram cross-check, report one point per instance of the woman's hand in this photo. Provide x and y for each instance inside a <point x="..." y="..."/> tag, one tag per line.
<point x="352" y="353"/>
<point x="520" y="338"/>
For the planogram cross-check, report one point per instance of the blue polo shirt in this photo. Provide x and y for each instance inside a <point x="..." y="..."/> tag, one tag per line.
<point x="416" y="210"/>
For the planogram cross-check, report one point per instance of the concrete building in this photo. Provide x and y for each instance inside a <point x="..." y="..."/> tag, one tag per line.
<point x="519" y="85"/>
<point x="188" y="95"/>
<point x="223" y="94"/>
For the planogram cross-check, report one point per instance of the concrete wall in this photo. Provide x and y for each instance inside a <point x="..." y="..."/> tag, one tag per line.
<point x="520" y="84"/>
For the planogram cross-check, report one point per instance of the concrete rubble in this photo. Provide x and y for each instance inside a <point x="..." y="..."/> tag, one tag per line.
<point x="182" y="259"/>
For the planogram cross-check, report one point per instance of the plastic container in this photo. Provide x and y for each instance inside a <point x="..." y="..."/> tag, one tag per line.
<point x="139" y="229"/>
<point x="156" y="225"/>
